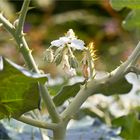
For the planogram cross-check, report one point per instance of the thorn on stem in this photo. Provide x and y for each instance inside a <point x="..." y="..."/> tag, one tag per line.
<point x="21" y="45"/>
<point x="16" y="22"/>
<point x="18" y="13"/>
<point x="1" y="24"/>
<point x="30" y="50"/>
<point x="23" y="34"/>
<point x="30" y="8"/>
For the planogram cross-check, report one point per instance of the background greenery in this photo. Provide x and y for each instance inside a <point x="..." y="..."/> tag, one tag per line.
<point x="92" y="20"/>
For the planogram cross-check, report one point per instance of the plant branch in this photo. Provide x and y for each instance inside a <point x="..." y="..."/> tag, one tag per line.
<point x="134" y="56"/>
<point x="23" y="46"/>
<point x="37" y="123"/>
<point x="134" y="69"/>
<point x="81" y="96"/>
<point x="22" y="17"/>
<point x="93" y="85"/>
<point x="27" y="53"/>
<point x="49" y="104"/>
<point x="7" y="25"/>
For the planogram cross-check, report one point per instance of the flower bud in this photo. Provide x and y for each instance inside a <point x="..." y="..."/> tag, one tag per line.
<point x="58" y="51"/>
<point x="85" y="70"/>
<point x="58" y="58"/>
<point x="73" y="62"/>
<point x="48" y="55"/>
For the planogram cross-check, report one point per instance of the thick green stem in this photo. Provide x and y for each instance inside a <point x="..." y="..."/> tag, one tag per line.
<point x="82" y="95"/>
<point x="20" y="39"/>
<point x="93" y="86"/>
<point x="59" y="134"/>
<point x="27" y="53"/>
<point x="49" y="104"/>
<point x="18" y="35"/>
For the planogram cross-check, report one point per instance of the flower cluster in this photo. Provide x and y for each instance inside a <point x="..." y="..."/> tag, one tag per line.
<point x="69" y="40"/>
<point x="64" y="56"/>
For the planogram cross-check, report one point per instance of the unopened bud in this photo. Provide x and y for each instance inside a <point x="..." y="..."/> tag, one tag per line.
<point x="85" y="70"/>
<point x="58" y="51"/>
<point x="73" y="62"/>
<point x="48" y="56"/>
<point x="58" y="58"/>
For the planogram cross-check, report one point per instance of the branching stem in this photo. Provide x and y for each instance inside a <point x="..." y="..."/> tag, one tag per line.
<point x="60" y="122"/>
<point x="37" y="123"/>
<point x="49" y="104"/>
<point x="17" y="33"/>
<point x="22" y="17"/>
<point x="94" y="85"/>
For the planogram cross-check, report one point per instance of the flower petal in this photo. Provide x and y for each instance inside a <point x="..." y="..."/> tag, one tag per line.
<point x="65" y="40"/>
<point x="57" y="43"/>
<point x="77" y="44"/>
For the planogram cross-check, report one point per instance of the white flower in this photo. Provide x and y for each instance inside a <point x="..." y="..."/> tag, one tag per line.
<point x="70" y="33"/>
<point x="69" y="40"/>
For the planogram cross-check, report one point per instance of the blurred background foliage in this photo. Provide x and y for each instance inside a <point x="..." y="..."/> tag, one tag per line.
<point x="92" y="20"/>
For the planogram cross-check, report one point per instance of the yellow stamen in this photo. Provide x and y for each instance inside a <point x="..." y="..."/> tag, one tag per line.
<point x="92" y="51"/>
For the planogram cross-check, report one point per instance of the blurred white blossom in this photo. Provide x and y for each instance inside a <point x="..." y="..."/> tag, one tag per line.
<point x="69" y="40"/>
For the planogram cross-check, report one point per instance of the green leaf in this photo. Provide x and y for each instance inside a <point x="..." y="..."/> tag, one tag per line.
<point x="120" y="87"/>
<point x="53" y="90"/>
<point x="66" y="92"/>
<point x="132" y="21"/>
<point x="119" y="4"/>
<point x="130" y="126"/>
<point x="18" y="89"/>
